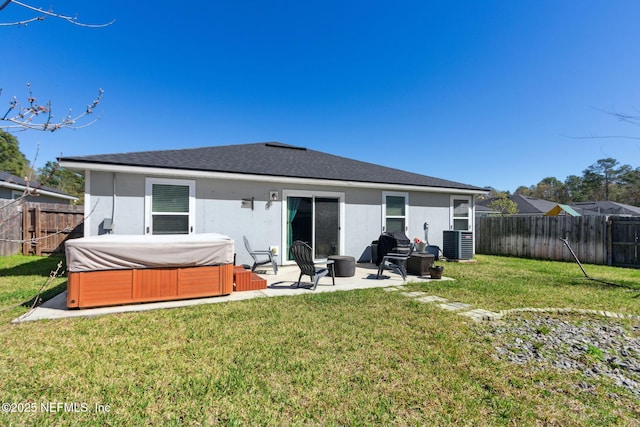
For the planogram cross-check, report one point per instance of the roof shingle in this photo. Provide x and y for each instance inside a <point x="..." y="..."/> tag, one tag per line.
<point x="271" y="159"/>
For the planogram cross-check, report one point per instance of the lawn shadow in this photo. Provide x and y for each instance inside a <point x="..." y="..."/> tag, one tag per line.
<point x="46" y="295"/>
<point x="37" y="267"/>
<point x="604" y="284"/>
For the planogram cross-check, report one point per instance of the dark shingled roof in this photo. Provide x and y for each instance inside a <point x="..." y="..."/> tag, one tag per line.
<point x="526" y="204"/>
<point x="605" y="207"/>
<point x="271" y="159"/>
<point x="13" y="179"/>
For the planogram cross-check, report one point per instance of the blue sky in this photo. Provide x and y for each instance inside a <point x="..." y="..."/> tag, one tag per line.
<point x="488" y="93"/>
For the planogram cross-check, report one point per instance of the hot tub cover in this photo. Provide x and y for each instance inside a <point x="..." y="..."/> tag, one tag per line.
<point x="117" y="252"/>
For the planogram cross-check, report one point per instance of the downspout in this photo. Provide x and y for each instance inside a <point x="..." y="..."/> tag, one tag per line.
<point x="113" y="205"/>
<point x="473" y="221"/>
<point x="87" y="202"/>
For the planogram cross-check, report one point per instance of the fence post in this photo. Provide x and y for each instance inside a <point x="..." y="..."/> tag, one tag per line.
<point x="37" y="226"/>
<point x="609" y="243"/>
<point x="25" y="230"/>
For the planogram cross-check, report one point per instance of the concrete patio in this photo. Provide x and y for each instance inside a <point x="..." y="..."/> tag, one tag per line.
<point x="282" y="284"/>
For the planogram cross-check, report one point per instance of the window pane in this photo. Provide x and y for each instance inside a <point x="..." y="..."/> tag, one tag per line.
<point x="395" y="224"/>
<point x="170" y="198"/>
<point x="460" y="224"/>
<point x="170" y="224"/>
<point x="327" y="214"/>
<point x="395" y="205"/>
<point x="460" y="208"/>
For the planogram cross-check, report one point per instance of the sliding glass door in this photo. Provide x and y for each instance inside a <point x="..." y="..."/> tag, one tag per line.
<point x="314" y="219"/>
<point x="326" y="226"/>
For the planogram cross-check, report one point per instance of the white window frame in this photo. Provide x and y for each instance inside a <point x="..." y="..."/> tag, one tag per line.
<point x="148" y="214"/>
<point x="469" y="216"/>
<point x="385" y="194"/>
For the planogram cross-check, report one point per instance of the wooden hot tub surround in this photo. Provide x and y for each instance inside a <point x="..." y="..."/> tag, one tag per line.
<point x="110" y="270"/>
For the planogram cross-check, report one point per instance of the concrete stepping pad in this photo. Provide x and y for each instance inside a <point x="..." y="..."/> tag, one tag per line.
<point x="481" y="315"/>
<point x="415" y="294"/>
<point x="432" y="298"/>
<point x="453" y="306"/>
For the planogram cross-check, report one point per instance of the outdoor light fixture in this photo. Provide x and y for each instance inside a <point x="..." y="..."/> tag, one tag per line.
<point x="248" y="203"/>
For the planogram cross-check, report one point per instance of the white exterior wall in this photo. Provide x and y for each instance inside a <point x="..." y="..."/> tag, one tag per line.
<point x="219" y="210"/>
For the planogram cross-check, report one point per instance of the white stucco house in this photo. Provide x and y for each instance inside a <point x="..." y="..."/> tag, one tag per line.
<point x="272" y="193"/>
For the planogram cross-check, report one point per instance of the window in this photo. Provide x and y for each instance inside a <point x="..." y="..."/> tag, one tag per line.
<point x="169" y="206"/>
<point x="394" y="212"/>
<point x="460" y="213"/>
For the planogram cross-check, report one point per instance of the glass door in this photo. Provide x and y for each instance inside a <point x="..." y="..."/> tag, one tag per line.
<point x="315" y="220"/>
<point x="299" y="221"/>
<point x="327" y="227"/>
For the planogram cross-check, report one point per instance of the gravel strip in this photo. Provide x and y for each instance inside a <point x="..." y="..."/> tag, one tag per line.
<point x="596" y="347"/>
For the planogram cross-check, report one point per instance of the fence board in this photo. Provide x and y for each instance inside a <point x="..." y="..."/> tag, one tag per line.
<point x="38" y="228"/>
<point x="539" y="237"/>
<point x="625" y="242"/>
<point x="49" y="225"/>
<point x="10" y="226"/>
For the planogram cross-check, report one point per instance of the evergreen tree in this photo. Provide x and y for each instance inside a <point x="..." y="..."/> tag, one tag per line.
<point x="575" y="190"/>
<point x="551" y="189"/>
<point x="11" y="158"/>
<point x="62" y="179"/>
<point x="601" y="177"/>
<point x="630" y="187"/>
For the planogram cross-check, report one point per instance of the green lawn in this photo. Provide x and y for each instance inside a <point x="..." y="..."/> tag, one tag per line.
<point x="366" y="357"/>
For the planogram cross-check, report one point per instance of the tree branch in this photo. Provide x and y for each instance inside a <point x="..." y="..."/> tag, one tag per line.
<point x="45" y="13"/>
<point x="602" y="137"/>
<point x="36" y="116"/>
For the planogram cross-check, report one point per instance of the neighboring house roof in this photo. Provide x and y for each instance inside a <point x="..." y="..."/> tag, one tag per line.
<point x="268" y="159"/>
<point x="14" y="182"/>
<point x="526" y="205"/>
<point x="482" y="209"/>
<point x="532" y="206"/>
<point x="562" y="210"/>
<point x="606" y="208"/>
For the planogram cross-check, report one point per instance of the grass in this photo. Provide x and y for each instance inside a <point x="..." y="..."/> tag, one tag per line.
<point x="365" y="357"/>
<point x="21" y="279"/>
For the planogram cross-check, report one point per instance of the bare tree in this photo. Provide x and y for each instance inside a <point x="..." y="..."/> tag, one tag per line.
<point x="35" y="116"/>
<point x="32" y="114"/>
<point x="633" y="119"/>
<point x="41" y="14"/>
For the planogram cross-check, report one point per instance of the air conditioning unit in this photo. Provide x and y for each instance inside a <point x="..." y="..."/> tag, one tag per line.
<point x="457" y="244"/>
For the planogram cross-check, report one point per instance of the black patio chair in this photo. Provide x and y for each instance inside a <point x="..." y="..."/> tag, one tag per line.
<point x="303" y="256"/>
<point x="261" y="257"/>
<point x="397" y="260"/>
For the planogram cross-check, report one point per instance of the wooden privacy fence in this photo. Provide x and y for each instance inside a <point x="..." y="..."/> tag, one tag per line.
<point x="594" y="239"/>
<point x="10" y="227"/>
<point x="38" y="228"/>
<point x="624" y="235"/>
<point x="45" y="227"/>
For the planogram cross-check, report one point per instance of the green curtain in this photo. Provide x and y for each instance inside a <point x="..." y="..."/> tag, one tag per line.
<point x="292" y="207"/>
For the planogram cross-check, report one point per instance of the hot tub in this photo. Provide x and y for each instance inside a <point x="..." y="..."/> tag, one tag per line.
<point x="124" y="269"/>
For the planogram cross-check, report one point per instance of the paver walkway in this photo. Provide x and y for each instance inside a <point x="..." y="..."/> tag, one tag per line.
<point x="477" y="314"/>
